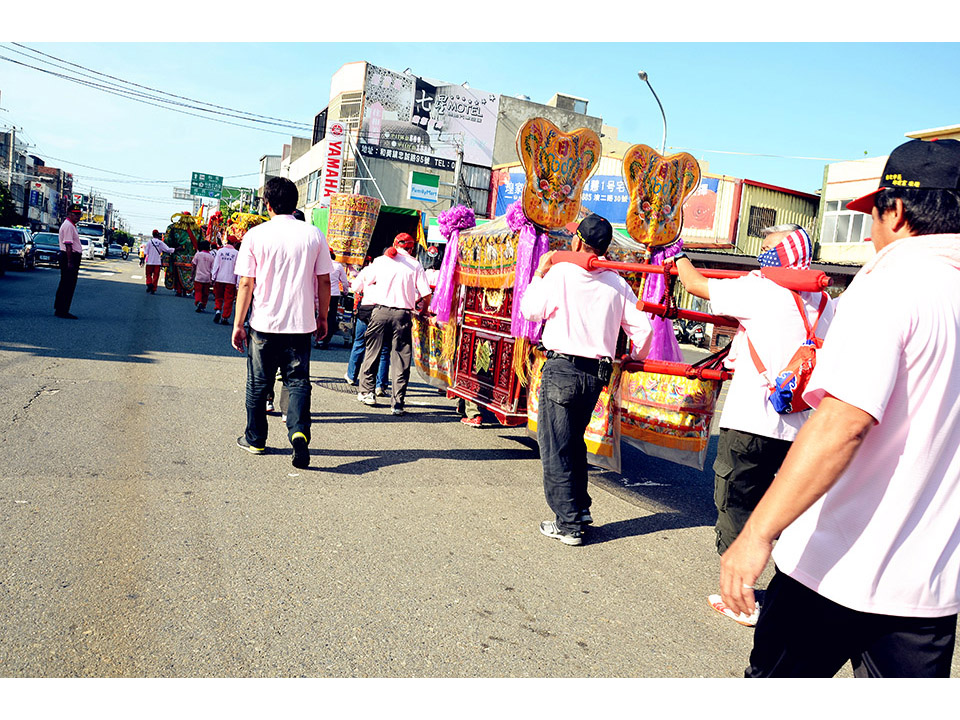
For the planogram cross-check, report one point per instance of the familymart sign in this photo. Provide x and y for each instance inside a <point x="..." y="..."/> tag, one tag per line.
<point x="423" y="186"/>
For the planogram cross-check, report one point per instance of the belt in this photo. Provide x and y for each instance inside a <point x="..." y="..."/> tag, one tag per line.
<point x="587" y="365"/>
<point x="391" y="307"/>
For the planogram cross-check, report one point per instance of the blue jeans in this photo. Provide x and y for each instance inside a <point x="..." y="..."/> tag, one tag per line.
<point x="266" y="352"/>
<point x="567" y="399"/>
<point x="357" y="352"/>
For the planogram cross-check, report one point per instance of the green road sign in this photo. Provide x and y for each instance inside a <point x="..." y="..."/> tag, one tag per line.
<point x="204" y="185"/>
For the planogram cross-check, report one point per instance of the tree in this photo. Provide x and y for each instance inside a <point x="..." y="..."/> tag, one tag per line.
<point x="8" y="212"/>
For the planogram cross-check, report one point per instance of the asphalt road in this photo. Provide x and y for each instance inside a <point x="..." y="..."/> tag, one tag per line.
<point x="137" y="540"/>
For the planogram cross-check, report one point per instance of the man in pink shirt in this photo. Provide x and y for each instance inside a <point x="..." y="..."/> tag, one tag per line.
<point x="281" y="264"/>
<point x="584" y="313"/>
<point x="866" y="505"/>
<point x="69" y="260"/>
<point x="401" y="284"/>
<point x="202" y="275"/>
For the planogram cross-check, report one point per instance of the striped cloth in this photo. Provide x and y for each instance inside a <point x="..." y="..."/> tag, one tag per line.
<point x="795" y="251"/>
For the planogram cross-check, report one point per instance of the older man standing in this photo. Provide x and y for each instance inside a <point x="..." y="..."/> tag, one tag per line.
<point x="754" y="437"/>
<point x="401" y="284"/>
<point x="584" y="313"/>
<point x="69" y="261"/>
<point x="866" y="505"/>
<point x="280" y="264"/>
<point x="156" y="248"/>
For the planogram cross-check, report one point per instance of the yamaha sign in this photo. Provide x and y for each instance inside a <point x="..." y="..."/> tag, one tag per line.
<point x="333" y="165"/>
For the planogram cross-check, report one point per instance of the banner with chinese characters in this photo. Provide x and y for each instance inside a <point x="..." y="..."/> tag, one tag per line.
<point x="423" y="122"/>
<point x="605" y="195"/>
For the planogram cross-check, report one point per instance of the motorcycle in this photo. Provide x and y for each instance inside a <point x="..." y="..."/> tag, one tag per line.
<point x="689" y="332"/>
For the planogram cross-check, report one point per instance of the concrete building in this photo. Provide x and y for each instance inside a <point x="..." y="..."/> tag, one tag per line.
<point x="396" y="131"/>
<point x="843" y="234"/>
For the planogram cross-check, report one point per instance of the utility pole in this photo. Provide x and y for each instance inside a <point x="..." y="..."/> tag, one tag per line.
<point x="456" y="172"/>
<point x="13" y="141"/>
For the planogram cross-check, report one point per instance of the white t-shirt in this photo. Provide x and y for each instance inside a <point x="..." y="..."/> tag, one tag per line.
<point x="886" y="537"/>
<point x="224" y="263"/>
<point x="769" y="315"/>
<point x="284" y="256"/>
<point x="584" y="311"/>
<point x="400" y="281"/>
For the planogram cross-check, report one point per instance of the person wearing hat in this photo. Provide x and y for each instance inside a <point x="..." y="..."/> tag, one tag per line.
<point x="401" y="286"/>
<point x="153" y="255"/>
<point x="583" y="313"/>
<point x="754" y="438"/>
<point x="69" y="261"/>
<point x="866" y="505"/>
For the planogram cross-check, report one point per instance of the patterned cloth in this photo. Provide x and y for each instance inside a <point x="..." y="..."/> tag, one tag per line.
<point x="350" y="228"/>
<point x="795" y="250"/>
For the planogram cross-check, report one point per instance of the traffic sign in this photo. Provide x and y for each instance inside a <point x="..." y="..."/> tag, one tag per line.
<point x="204" y="185"/>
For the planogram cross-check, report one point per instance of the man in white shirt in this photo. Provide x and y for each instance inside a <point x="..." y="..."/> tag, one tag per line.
<point x="282" y="264"/>
<point x="153" y="254"/>
<point x="584" y="313"/>
<point x="401" y="286"/>
<point x="866" y="505"/>
<point x="754" y="437"/>
<point x="69" y="260"/>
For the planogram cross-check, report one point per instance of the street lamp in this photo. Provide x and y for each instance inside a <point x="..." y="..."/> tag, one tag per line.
<point x="643" y="76"/>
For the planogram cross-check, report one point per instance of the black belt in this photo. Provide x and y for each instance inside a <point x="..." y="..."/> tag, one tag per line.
<point x="591" y="366"/>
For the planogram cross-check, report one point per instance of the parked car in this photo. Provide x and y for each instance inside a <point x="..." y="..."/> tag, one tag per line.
<point x="87" y="249"/>
<point x="99" y="250"/>
<point x="46" y="248"/>
<point x="21" y="247"/>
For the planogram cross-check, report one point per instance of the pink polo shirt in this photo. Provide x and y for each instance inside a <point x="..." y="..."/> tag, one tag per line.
<point x="584" y="311"/>
<point x="69" y="237"/>
<point x="284" y="256"/>
<point x="400" y="281"/>
<point x="203" y="262"/>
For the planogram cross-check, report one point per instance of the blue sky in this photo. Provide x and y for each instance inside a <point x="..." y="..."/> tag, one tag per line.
<point x="746" y="109"/>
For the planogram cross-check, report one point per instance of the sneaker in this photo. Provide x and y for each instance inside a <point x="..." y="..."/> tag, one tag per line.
<point x="283" y="417"/>
<point x="199" y="308"/>
<point x="216" y="317"/>
<point x="301" y="454"/>
<point x="350" y="380"/>
<point x="242" y="442"/>
<point x="269" y="405"/>
<point x="550" y="529"/>
<point x="473" y="422"/>
<point x="399" y="411"/>
<point x="225" y="321"/>
<point x="366" y="398"/>
<point x="382" y="392"/>
<point x="748" y="620"/>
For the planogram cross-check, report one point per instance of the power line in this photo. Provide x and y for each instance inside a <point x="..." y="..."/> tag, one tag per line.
<point x="128" y="96"/>
<point x="293" y="123"/>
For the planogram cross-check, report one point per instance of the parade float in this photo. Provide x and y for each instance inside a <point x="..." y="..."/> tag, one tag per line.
<point x="479" y="347"/>
<point x="184" y="233"/>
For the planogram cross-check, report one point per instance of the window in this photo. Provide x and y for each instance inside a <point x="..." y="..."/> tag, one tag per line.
<point x="760" y="218"/>
<point x="313" y="187"/>
<point x="841" y="225"/>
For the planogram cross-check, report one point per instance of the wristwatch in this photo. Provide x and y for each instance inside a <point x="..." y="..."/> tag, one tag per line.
<point x="679" y="255"/>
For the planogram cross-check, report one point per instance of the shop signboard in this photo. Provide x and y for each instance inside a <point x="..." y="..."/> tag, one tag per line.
<point x="423" y="186"/>
<point x="236" y="196"/>
<point x="424" y="122"/>
<point x="333" y="162"/>
<point x="205" y="185"/>
<point x="605" y="195"/>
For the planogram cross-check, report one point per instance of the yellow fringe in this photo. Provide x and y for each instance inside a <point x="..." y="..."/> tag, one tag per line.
<point x="448" y="346"/>
<point x="521" y="360"/>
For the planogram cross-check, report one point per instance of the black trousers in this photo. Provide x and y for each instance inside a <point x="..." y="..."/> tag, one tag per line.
<point x="745" y="466"/>
<point x="567" y="398"/>
<point x="68" y="283"/>
<point x="802" y="634"/>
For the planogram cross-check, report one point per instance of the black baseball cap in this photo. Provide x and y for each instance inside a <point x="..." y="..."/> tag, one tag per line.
<point x="595" y="231"/>
<point x="74" y="208"/>
<point x="918" y="164"/>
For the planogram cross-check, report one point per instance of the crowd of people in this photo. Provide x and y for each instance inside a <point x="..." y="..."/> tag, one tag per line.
<point x="856" y="494"/>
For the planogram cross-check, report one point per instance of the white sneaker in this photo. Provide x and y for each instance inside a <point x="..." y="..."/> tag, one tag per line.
<point x="350" y="381"/>
<point x="749" y="620"/>
<point x="366" y="398"/>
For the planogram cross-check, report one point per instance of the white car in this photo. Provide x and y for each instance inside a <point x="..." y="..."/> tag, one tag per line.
<point x="99" y="250"/>
<point x="87" y="250"/>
